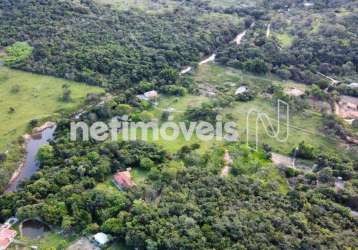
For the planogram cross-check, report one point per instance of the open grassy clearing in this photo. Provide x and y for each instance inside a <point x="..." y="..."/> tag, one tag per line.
<point x="178" y="105"/>
<point x="37" y="97"/>
<point x="285" y="39"/>
<point x="232" y="3"/>
<point x="138" y="175"/>
<point x="305" y="126"/>
<point x="52" y="240"/>
<point x="173" y="145"/>
<point x="222" y="18"/>
<point x="148" y="6"/>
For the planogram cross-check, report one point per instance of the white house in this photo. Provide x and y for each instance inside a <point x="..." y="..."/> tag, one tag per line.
<point x="149" y="96"/>
<point x="101" y="239"/>
<point x="353" y="85"/>
<point x="241" y="90"/>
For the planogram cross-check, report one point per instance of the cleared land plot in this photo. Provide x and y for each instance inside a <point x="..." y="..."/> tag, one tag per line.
<point x="148" y="6"/>
<point x="303" y="126"/>
<point x="36" y="97"/>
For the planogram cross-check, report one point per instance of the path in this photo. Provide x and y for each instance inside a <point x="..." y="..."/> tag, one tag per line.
<point x="334" y="82"/>
<point x="210" y="59"/>
<point x="227" y="161"/>
<point x="103" y="100"/>
<point x="268" y="32"/>
<point x="239" y="37"/>
<point x="186" y="70"/>
<point x="237" y="40"/>
<point x="279" y="159"/>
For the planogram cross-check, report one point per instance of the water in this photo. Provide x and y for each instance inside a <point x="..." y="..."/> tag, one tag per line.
<point x="34" y="229"/>
<point x="31" y="165"/>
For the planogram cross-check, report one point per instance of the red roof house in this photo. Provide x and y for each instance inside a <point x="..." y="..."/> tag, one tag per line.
<point x="123" y="180"/>
<point x="7" y="236"/>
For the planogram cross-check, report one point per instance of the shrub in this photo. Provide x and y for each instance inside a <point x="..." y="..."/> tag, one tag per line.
<point x="15" y="89"/>
<point x="18" y="53"/>
<point x="304" y="151"/>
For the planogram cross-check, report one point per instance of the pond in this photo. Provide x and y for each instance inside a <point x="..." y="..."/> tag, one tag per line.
<point x="31" y="165"/>
<point x="33" y="229"/>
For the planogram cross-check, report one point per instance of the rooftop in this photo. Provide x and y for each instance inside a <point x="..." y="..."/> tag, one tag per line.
<point x="124" y="179"/>
<point x="151" y="94"/>
<point x="241" y="90"/>
<point x="101" y="238"/>
<point x="6" y="237"/>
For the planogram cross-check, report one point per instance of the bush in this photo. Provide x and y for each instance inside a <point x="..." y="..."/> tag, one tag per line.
<point x="66" y="94"/>
<point x="355" y="123"/>
<point x="147" y="164"/>
<point x="173" y="90"/>
<point x="304" y="151"/>
<point x="18" y="53"/>
<point x="291" y="172"/>
<point x="15" y="89"/>
<point x="256" y="66"/>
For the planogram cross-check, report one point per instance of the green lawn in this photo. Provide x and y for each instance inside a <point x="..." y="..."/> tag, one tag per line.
<point x="38" y="97"/>
<point x="49" y="241"/>
<point x="285" y="39"/>
<point x="304" y="126"/>
<point x="149" y="6"/>
<point x="179" y="105"/>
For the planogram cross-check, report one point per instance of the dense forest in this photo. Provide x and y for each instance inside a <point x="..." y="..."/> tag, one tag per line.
<point x="95" y="44"/>
<point x="185" y="204"/>
<point x="98" y="45"/>
<point x="183" y="201"/>
<point x="308" y="47"/>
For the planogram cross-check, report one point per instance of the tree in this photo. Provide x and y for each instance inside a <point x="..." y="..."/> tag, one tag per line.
<point x="114" y="226"/>
<point x="257" y="66"/>
<point x="147" y="164"/>
<point x="66" y="93"/>
<point x="11" y="110"/>
<point x="15" y="89"/>
<point x="304" y="151"/>
<point x="123" y="109"/>
<point x="45" y="154"/>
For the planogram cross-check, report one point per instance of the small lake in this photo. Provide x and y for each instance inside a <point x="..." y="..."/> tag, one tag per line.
<point x="31" y="165"/>
<point x="34" y="229"/>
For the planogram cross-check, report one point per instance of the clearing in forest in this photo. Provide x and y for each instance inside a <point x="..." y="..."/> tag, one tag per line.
<point x="26" y="96"/>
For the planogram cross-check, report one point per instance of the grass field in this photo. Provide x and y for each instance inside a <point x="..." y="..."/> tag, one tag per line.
<point x="285" y="39"/>
<point x="304" y="126"/>
<point x="148" y="6"/>
<point x="179" y="105"/>
<point x="37" y="97"/>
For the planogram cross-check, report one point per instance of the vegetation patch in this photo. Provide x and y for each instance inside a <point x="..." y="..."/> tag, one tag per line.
<point x="17" y="53"/>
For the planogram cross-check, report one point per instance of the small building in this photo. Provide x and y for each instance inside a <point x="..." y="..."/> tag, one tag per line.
<point x="241" y="90"/>
<point x="149" y="96"/>
<point x="353" y="85"/>
<point x="7" y="236"/>
<point x="123" y="180"/>
<point x="308" y="4"/>
<point x="101" y="239"/>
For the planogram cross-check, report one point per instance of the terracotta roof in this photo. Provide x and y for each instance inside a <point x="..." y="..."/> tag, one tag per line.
<point x="6" y="237"/>
<point x="124" y="179"/>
